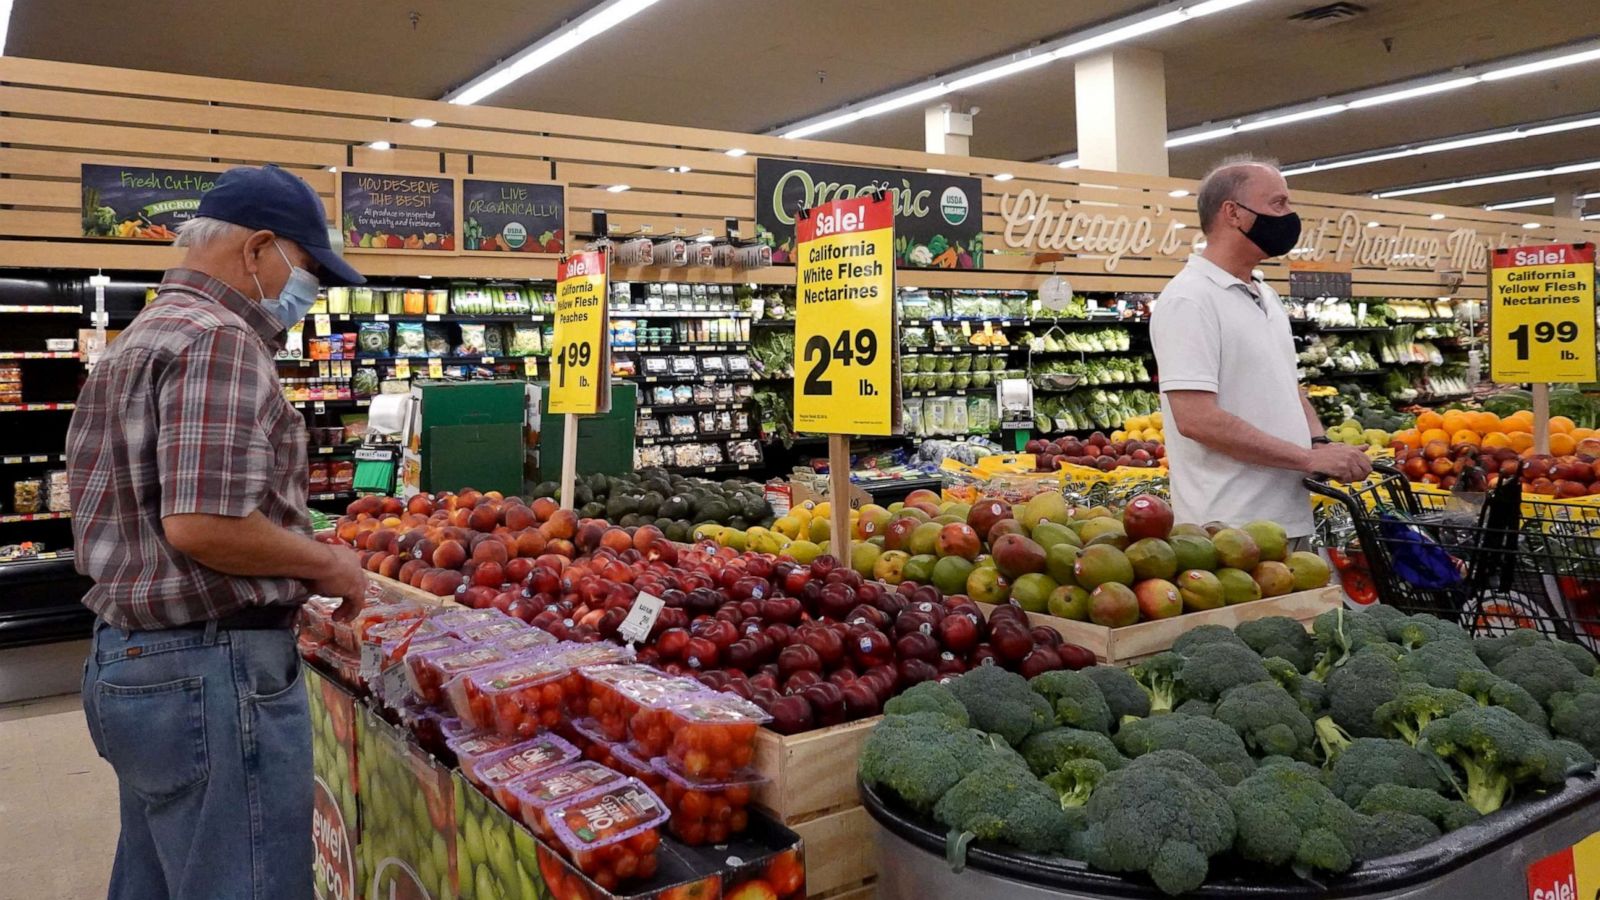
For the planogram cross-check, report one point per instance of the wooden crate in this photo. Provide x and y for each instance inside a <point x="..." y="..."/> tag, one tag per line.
<point x="812" y="789"/>
<point x="1120" y="646"/>
<point x="840" y="849"/>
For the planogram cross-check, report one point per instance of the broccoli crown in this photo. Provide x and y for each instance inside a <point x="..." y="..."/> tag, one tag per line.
<point x="1575" y="715"/>
<point x="1076" y="699"/>
<point x="1493" y="648"/>
<point x="1203" y="708"/>
<point x="1122" y="693"/>
<point x="1156" y="819"/>
<point x="1496" y="750"/>
<point x="1212" y="742"/>
<point x="1331" y="739"/>
<point x="1185" y="764"/>
<point x="1382" y="614"/>
<point x="1287" y="816"/>
<point x="1001" y="802"/>
<point x="1389" y="832"/>
<point x="1214" y="667"/>
<point x="1269" y="720"/>
<point x="1355" y="691"/>
<point x="1421" y="629"/>
<point x="1579" y="657"/>
<point x="1441" y="663"/>
<point x="1416" y="704"/>
<point x="1540" y="669"/>
<point x="1306" y="691"/>
<point x="1046" y="751"/>
<point x="1369" y="762"/>
<point x="929" y="696"/>
<point x="1490" y="689"/>
<point x="1339" y="632"/>
<point x="1282" y="637"/>
<point x="1571" y="757"/>
<point x="1201" y="635"/>
<point x="919" y="757"/>
<point x="1431" y="805"/>
<point x="1075" y="780"/>
<point x="1000" y="702"/>
<point x="1158" y="676"/>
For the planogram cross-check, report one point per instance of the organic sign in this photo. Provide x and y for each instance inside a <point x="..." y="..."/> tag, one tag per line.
<point x="1541" y="314"/>
<point x="939" y="218"/>
<point x="397" y="212"/>
<point x="513" y="216"/>
<point x="140" y="203"/>
<point x="581" y="368"/>
<point x="844" y="323"/>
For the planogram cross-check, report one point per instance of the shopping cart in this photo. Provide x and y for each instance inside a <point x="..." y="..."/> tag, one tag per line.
<point x="1491" y="562"/>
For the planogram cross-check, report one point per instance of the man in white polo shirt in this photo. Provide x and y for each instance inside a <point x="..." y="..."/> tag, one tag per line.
<point x="1241" y="435"/>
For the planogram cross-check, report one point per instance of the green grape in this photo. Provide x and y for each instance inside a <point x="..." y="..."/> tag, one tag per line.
<point x="500" y="851"/>
<point x="485" y="887"/>
<point x="444" y="886"/>
<point x="472" y="841"/>
<point x="525" y="884"/>
<point x="441" y="853"/>
<point x="426" y="873"/>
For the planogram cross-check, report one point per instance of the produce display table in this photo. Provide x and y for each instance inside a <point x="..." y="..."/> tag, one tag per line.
<point x="1498" y="858"/>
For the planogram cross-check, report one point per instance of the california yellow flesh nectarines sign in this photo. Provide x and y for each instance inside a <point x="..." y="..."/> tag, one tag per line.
<point x="1541" y="314"/>
<point x="579" y="363"/>
<point x="844" y="323"/>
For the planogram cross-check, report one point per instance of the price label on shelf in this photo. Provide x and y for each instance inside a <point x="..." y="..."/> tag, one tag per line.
<point x="580" y="360"/>
<point x="641" y="618"/>
<point x="530" y="366"/>
<point x="435" y="368"/>
<point x="1542" y="314"/>
<point x="321" y="325"/>
<point x="845" y="327"/>
<point x="402" y="368"/>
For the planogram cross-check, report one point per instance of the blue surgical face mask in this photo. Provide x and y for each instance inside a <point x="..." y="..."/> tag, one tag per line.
<point x="297" y="296"/>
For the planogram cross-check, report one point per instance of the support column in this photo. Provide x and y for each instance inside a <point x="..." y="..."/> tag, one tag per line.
<point x="1568" y="206"/>
<point x="947" y="128"/>
<point x="1122" y="112"/>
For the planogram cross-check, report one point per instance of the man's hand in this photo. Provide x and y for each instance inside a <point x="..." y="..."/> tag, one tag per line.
<point x="1340" y="462"/>
<point x="343" y="578"/>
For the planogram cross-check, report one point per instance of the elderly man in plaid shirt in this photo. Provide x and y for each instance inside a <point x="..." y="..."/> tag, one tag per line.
<point x="188" y="477"/>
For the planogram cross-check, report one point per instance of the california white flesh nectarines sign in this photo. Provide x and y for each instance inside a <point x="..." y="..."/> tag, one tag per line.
<point x="1541" y="314"/>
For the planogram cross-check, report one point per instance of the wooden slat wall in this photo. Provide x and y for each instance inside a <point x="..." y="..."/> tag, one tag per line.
<point x="56" y="116"/>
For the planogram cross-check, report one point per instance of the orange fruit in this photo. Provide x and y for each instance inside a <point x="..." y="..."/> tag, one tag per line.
<point x="1496" y="440"/>
<point x="1524" y="416"/>
<point x="1562" y="444"/>
<point x="1429" y="420"/>
<point x="1561" y="425"/>
<point x="1579" y="434"/>
<point x="1521" y="441"/>
<point x="1485" y="422"/>
<point x="1435" y="434"/>
<point x="1455" y="420"/>
<point x="1466" y="436"/>
<point x="1410" y="437"/>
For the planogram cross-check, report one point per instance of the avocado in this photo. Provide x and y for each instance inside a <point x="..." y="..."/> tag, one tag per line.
<point x="546" y="489"/>
<point x="591" y="511"/>
<point x="676" y="506"/>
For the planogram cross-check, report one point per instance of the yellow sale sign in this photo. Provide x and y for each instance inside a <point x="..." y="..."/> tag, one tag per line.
<point x="1541" y="314"/>
<point x="580" y="367"/>
<point x="844" y="326"/>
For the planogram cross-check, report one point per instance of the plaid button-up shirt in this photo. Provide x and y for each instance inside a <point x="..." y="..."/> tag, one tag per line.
<point x="183" y="414"/>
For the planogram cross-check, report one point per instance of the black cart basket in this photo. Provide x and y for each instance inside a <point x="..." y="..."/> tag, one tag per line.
<point x="1491" y="562"/>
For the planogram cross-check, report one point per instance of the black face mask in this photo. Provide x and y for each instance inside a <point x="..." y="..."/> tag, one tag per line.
<point x="1275" y="235"/>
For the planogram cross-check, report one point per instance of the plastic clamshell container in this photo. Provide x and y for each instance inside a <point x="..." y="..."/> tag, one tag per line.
<point x="488" y="632"/>
<point x="316" y="618"/>
<point x="612" y="836"/>
<point x="497" y="773"/>
<point x="371" y="615"/>
<point x="527" y="640"/>
<point x="456" y="619"/>
<point x="707" y="812"/>
<point x="475" y="748"/>
<point x="594" y="744"/>
<point x="308" y="646"/>
<point x="704" y="736"/>
<point x="612" y="694"/>
<point x="399" y="629"/>
<point x="577" y="656"/>
<point x="514" y="697"/>
<point x="346" y="666"/>
<point x="568" y="784"/>
<point x="428" y="672"/>
<point x="624" y="760"/>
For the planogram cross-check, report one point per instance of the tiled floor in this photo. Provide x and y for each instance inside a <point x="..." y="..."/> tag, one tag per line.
<point x="58" y="803"/>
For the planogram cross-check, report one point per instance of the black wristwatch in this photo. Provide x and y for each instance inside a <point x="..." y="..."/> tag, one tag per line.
<point x="1320" y="439"/>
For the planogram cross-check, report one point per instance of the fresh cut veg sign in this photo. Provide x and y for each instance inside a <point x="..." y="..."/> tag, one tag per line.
<point x="938" y="219"/>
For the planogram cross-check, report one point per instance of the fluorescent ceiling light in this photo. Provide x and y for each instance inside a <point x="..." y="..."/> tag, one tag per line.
<point x="1004" y="176"/>
<point x="1436" y="216"/>
<point x="1520" y="204"/>
<point x="1200" y="136"/>
<point x="1287" y="118"/>
<point x="599" y="19"/>
<point x="380" y="145"/>
<point x="616" y="188"/>
<point x="1516" y="133"/>
<point x="1411" y="93"/>
<point x="1501" y="178"/>
<point x="1065" y="47"/>
<point x="423" y="123"/>
<point x="1542" y="65"/>
<point x="1530" y="225"/>
<point x="736" y="151"/>
<point x="1180" y="192"/>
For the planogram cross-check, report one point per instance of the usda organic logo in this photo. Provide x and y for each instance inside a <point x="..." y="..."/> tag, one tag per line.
<point x="953" y="205"/>
<point x="515" y="234"/>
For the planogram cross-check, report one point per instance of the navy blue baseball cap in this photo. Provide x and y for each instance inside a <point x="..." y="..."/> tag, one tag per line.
<point x="271" y="199"/>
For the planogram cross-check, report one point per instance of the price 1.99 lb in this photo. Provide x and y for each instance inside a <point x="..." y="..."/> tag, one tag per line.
<point x="1544" y="333"/>
<point x="574" y="355"/>
<point x="850" y="348"/>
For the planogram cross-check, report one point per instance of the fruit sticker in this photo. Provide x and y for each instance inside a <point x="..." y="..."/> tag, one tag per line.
<point x="513" y="217"/>
<point x="380" y="213"/>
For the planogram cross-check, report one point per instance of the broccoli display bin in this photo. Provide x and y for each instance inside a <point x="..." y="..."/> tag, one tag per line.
<point x="1487" y="860"/>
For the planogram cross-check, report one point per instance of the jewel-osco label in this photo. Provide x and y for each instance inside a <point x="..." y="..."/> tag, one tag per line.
<point x="845" y="334"/>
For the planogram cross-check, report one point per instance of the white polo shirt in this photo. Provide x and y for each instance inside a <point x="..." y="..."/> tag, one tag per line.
<point x="1213" y="332"/>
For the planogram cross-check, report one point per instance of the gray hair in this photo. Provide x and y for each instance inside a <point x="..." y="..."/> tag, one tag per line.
<point x="202" y="230"/>
<point x="1222" y="184"/>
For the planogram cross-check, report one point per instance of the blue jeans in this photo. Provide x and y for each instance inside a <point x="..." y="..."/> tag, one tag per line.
<point x="210" y="736"/>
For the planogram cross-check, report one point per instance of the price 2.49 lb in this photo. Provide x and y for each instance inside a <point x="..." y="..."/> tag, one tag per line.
<point x="851" y="348"/>
<point x="1543" y="333"/>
